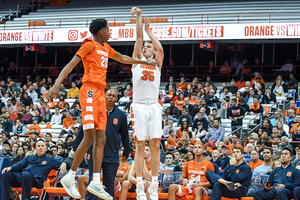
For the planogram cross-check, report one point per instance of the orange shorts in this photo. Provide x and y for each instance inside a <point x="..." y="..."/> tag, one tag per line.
<point x="93" y="106"/>
<point x="183" y="192"/>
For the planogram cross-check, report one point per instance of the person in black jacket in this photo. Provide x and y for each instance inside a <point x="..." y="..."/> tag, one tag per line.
<point x="32" y="171"/>
<point x="116" y="132"/>
<point x="283" y="181"/>
<point x="7" y="125"/>
<point x="284" y="86"/>
<point x="236" y="114"/>
<point x="235" y="179"/>
<point x="269" y="97"/>
<point x="26" y="100"/>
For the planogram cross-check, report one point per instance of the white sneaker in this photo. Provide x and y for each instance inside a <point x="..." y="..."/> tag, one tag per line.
<point x="140" y="193"/>
<point x="70" y="187"/>
<point x="98" y="190"/>
<point x="153" y="192"/>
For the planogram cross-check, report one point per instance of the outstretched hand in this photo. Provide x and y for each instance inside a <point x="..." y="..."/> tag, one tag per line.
<point x="135" y="10"/>
<point x="147" y="23"/>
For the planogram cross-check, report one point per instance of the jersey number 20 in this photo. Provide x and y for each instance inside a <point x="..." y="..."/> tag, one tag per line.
<point x="147" y="75"/>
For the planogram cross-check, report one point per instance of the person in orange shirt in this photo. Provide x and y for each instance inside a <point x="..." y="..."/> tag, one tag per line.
<point x="293" y="107"/>
<point x="193" y="177"/>
<point x="171" y="141"/>
<point x="255" y="162"/>
<point x="14" y="113"/>
<point x="182" y="85"/>
<point x="234" y="140"/>
<point x="94" y="53"/>
<point x="193" y="99"/>
<point x="170" y="94"/>
<point x="205" y="143"/>
<point x="253" y="81"/>
<point x="180" y="101"/>
<point x="68" y="125"/>
<point x="34" y="127"/>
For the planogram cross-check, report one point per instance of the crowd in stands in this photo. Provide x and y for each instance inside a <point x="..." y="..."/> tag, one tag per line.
<point x="192" y="113"/>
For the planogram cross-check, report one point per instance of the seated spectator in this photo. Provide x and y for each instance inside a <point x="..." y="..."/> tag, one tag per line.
<point x="33" y="172"/>
<point x="182" y="85"/>
<point x="68" y="124"/>
<point x="14" y="113"/>
<point x="184" y="143"/>
<point x="32" y="94"/>
<point x="290" y="117"/>
<point x="283" y="84"/>
<point x="46" y="118"/>
<point x="259" y="85"/>
<point x="200" y="133"/>
<point x="243" y="105"/>
<point x="249" y="149"/>
<point x="269" y="97"/>
<point x="254" y="80"/>
<point x="285" y="143"/>
<point x="6" y="124"/>
<point x="293" y="83"/>
<point x="175" y="110"/>
<point x="26" y="100"/>
<point x="180" y="101"/>
<point x="216" y="133"/>
<point x="208" y="156"/>
<point x="37" y="114"/>
<point x="170" y="94"/>
<point x="225" y="94"/>
<point x="76" y="112"/>
<point x="187" y="104"/>
<point x="7" y="153"/>
<point x="171" y="141"/>
<point x="211" y="99"/>
<point x="267" y="127"/>
<point x="296" y="162"/>
<point x="185" y="117"/>
<point x="296" y="134"/>
<point x="256" y="108"/>
<point x="221" y="110"/>
<point x="283" y="181"/>
<point x="127" y="106"/>
<point x="223" y="86"/>
<point x="233" y="88"/>
<point x="226" y="102"/>
<point x="56" y="117"/>
<point x="62" y="151"/>
<point x="216" y="158"/>
<point x="286" y="68"/>
<point x="54" y="150"/>
<point x="168" y="166"/>
<point x="241" y="83"/>
<point x="62" y="91"/>
<point x="181" y="163"/>
<point x="204" y="105"/>
<point x="9" y="106"/>
<point x="184" y="128"/>
<point x="73" y="92"/>
<point x="200" y="118"/>
<point x="123" y="100"/>
<point x="278" y="89"/>
<point x="34" y="127"/>
<point x="293" y="107"/>
<point x="19" y="128"/>
<point x="255" y="162"/>
<point x="250" y="98"/>
<point x="195" y="110"/>
<point x="247" y="85"/>
<point x="48" y="140"/>
<point x="235" y="179"/>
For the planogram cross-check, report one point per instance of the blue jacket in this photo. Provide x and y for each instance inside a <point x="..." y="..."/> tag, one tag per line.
<point x="40" y="167"/>
<point x="247" y="98"/>
<point x="289" y="176"/>
<point x="238" y="174"/>
<point x="116" y="131"/>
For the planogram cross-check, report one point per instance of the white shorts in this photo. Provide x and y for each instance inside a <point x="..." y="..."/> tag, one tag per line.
<point x="146" y="120"/>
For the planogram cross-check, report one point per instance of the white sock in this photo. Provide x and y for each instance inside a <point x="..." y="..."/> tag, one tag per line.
<point x="139" y="180"/>
<point x="154" y="180"/>
<point x="96" y="177"/>
<point x="71" y="174"/>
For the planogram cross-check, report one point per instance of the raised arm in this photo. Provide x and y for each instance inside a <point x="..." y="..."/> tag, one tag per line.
<point x="128" y="60"/>
<point x="63" y="74"/>
<point x="138" y="46"/>
<point x="159" y="56"/>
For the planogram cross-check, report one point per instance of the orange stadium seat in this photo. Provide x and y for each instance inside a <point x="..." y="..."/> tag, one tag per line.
<point x="56" y="192"/>
<point x="36" y="23"/>
<point x="160" y="20"/>
<point x="34" y="191"/>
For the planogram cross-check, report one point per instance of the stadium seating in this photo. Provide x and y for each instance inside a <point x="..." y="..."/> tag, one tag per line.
<point x="74" y="15"/>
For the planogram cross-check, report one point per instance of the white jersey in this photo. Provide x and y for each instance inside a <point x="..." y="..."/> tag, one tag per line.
<point x="146" y="81"/>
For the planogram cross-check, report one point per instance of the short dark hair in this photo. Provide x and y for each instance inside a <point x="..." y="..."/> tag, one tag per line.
<point x="239" y="148"/>
<point x="275" y="143"/>
<point x="235" y="135"/>
<point x="97" y="24"/>
<point x="54" y="146"/>
<point x="234" y="100"/>
<point x="49" y="134"/>
<point x="61" y="145"/>
<point x="288" y="149"/>
<point x="270" y="149"/>
<point x="170" y="153"/>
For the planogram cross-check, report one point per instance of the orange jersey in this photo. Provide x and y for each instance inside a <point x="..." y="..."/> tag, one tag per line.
<point x="295" y="109"/>
<point x="95" y="58"/>
<point x="179" y="103"/>
<point x="253" y="81"/>
<point x="123" y="168"/>
<point x="294" y="127"/>
<point x="254" y="165"/>
<point x="172" y="141"/>
<point x="195" y="101"/>
<point x="34" y="128"/>
<point x="192" y="170"/>
<point x="182" y="86"/>
<point x="61" y="104"/>
<point x="67" y="123"/>
<point x="14" y="116"/>
<point x="51" y="104"/>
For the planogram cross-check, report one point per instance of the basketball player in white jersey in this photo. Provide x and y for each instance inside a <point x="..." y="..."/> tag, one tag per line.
<point x="145" y="109"/>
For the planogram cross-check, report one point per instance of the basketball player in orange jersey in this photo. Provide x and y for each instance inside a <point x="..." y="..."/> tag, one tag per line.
<point x="145" y="109"/>
<point x="94" y="53"/>
<point x="193" y="177"/>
